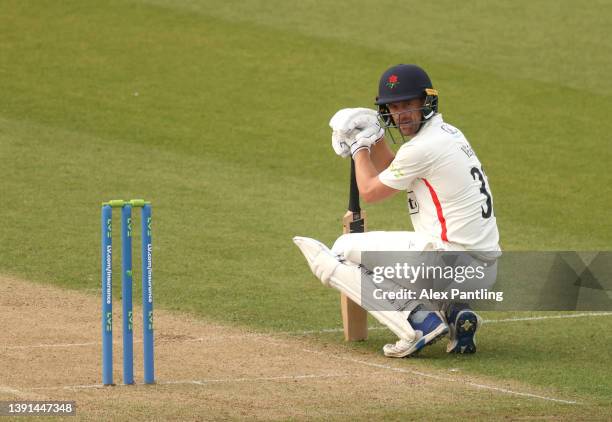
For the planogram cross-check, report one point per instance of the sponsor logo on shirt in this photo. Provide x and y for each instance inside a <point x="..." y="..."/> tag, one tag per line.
<point x="413" y="205"/>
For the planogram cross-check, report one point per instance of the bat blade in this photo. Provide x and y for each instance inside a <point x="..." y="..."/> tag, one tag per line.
<point x="354" y="317"/>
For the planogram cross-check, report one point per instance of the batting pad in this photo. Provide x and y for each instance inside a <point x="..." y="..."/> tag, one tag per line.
<point x="347" y="278"/>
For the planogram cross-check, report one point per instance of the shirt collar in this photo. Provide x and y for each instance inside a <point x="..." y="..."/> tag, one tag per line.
<point x="434" y="121"/>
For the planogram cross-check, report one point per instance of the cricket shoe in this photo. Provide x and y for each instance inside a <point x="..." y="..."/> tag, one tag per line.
<point x="463" y="323"/>
<point x="428" y="326"/>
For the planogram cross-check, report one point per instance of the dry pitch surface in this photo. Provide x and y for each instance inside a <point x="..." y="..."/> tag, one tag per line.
<point x="50" y="350"/>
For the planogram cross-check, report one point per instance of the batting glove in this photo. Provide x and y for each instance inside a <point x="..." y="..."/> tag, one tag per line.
<point x="365" y="138"/>
<point x="354" y="129"/>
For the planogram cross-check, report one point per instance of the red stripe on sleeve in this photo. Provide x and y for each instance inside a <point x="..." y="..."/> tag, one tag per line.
<point x="436" y="202"/>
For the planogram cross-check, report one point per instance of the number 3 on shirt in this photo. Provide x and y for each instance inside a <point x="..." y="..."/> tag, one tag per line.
<point x="477" y="175"/>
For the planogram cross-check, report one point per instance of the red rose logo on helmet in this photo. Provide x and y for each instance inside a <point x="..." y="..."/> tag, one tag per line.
<point x="392" y="81"/>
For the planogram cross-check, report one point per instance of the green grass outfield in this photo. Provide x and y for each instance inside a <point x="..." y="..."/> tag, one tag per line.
<point x="218" y="113"/>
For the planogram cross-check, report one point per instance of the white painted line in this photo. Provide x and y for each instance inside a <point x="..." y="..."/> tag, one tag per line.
<point x="10" y="390"/>
<point x="441" y="378"/>
<point x="278" y="378"/>
<point x="520" y="393"/>
<point x="36" y="346"/>
<point x="160" y="341"/>
<point x="486" y="321"/>
<point x="5" y="389"/>
<point x="70" y="387"/>
<point x="588" y="314"/>
<point x="202" y="381"/>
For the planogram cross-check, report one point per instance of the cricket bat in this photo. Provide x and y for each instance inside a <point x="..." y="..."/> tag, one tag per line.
<point x="354" y="317"/>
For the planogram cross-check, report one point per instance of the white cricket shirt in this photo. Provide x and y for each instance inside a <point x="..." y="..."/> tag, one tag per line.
<point x="448" y="192"/>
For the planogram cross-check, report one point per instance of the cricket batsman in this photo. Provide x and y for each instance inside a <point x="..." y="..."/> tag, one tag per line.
<point x="448" y="198"/>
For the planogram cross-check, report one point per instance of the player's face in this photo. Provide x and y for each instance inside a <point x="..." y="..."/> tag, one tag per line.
<point x="407" y="115"/>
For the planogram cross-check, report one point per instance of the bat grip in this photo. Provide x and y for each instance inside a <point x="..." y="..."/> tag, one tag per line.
<point x="354" y="192"/>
